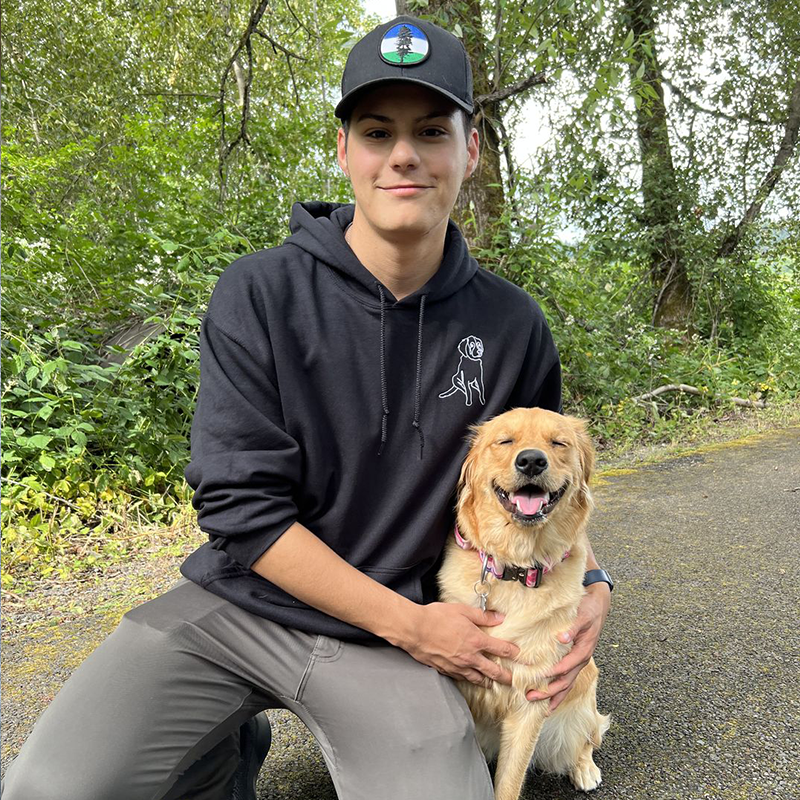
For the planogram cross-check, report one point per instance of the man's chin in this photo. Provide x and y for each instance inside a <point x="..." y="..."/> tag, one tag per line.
<point x="409" y="222"/>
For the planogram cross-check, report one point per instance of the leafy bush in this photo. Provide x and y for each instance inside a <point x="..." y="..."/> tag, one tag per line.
<point x="599" y="308"/>
<point x="91" y="447"/>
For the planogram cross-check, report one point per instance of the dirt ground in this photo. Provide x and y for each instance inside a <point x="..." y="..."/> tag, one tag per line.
<point x="698" y="658"/>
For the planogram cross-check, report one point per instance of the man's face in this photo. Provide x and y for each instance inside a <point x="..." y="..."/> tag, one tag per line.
<point x="403" y="134"/>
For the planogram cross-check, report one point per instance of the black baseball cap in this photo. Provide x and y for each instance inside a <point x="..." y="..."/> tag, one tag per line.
<point x="408" y="49"/>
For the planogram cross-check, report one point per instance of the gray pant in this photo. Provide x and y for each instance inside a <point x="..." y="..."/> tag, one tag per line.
<point x="154" y="712"/>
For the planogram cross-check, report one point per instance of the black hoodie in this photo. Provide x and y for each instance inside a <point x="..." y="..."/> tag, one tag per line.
<point x="325" y="400"/>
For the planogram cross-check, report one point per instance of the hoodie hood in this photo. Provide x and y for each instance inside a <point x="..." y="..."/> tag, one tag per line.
<point x="318" y="228"/>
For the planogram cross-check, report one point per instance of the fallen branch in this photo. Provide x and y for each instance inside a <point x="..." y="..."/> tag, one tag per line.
<point x="682" y="387"/>
<point x="63" y="500"/>
<point x="47" y="494"/>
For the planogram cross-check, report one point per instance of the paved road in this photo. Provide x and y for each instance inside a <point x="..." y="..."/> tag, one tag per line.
<point x="699" y="656"/>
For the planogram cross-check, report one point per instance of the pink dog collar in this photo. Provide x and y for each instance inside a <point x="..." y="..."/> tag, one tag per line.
<point x="529" y="576"/>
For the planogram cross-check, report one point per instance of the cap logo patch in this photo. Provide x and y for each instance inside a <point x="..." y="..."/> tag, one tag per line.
<point x="404" y="44"/>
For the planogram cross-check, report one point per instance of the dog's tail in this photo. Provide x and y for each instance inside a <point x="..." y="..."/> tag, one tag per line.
<point x="452" y="390"/>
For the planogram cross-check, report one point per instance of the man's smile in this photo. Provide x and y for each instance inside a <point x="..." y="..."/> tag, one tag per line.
<point x="405" y="190"/>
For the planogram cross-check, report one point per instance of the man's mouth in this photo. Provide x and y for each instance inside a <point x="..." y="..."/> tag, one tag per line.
<point x="405" y="191"/>
<point x="529" y="503"/>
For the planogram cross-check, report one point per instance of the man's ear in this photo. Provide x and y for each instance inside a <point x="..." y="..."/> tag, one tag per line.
<point x="473" y="153"/>
<point x="341" y="152"/>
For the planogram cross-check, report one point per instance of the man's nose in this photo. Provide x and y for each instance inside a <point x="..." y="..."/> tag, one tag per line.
<point x="404" y="154"/>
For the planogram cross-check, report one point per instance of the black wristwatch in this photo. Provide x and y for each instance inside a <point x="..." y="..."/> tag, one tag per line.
<point x="595" y="575"/>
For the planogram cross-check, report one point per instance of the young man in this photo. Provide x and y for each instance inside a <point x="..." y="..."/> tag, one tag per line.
<point x="339" y="374"/>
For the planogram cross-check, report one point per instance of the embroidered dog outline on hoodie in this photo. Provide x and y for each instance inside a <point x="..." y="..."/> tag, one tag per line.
<point x="469" y="373"/>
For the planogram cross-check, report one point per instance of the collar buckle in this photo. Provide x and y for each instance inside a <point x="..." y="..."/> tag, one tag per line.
<point x="527" y="576"/>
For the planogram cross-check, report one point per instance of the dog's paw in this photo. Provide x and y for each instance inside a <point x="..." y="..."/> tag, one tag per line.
<point x="585" y="775"/>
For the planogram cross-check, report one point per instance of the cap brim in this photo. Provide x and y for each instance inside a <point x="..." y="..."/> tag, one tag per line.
<point x="344" y="106"/>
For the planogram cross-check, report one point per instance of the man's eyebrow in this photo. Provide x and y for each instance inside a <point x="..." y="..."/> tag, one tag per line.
<point x="381" y="118"/>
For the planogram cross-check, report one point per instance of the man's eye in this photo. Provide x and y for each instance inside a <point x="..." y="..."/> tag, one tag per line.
<point x="436" y="131"/>
<point x="370" y="134"/>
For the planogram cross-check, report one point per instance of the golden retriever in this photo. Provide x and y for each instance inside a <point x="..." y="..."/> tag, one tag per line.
<point x="523" y="502"/>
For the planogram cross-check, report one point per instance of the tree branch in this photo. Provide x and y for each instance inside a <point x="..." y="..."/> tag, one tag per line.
<point x="245" y="43"/>
<point x="753" y="120"/>
<point x="176" y="94"/>
<point x="785" y="151"/>
<point x="510" y="90"/>
<point x="278" y="45"/>
<point x="297" y="20"/>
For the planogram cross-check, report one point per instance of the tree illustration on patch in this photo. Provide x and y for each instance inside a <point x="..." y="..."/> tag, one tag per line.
<point x="403" y="42"/>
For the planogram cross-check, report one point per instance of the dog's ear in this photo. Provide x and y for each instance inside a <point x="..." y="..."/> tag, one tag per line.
<point x="468" y="467"/>
<point x="586" y="455"/>
<point x="464" y="497"/>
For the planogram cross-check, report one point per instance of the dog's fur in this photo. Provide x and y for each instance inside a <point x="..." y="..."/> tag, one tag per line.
<point x="508" y="725"/>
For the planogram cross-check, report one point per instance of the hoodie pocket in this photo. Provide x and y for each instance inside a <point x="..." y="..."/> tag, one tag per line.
<point x="406" y="581"/>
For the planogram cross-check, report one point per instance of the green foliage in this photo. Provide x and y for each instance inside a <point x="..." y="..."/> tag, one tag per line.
<point x="598" y="310"/>
<point x="92" y="446"/>
<point x="118" y="211"/>
<point x="86" y="443"/>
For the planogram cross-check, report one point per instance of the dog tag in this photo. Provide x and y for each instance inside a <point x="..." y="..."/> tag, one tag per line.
<point x="482" y="582"/>
<point x="483" y="595"/>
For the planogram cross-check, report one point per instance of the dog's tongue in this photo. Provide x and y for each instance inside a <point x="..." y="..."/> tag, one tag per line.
<point x="529" y="500"/>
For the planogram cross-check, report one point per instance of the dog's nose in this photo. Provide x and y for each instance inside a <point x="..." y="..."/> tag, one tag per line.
<point x="531" y="462"/>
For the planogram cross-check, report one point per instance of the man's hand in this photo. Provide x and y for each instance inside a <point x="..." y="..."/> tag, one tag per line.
<point x="446" y="636"/>
<point x="585" y="632"/>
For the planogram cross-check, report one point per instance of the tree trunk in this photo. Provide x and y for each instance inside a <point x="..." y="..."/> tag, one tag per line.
<point x="661" y="216"/>
<point x="481" y="200"/>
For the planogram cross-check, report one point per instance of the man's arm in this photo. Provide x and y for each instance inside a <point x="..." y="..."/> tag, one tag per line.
<point x="442" y="635"/>
<point x="245" y="466"/>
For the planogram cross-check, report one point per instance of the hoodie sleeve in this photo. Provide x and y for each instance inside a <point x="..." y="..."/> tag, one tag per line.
<point x="244" y="467"/>
<point x="539" y="382"/>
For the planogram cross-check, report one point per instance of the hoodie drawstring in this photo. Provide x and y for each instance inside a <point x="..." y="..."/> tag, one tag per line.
<point x="383" y="374"/>
<point x="416" y="424"/>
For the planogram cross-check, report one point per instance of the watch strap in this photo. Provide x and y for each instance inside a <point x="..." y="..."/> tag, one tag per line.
<point x="597" y="575"/>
